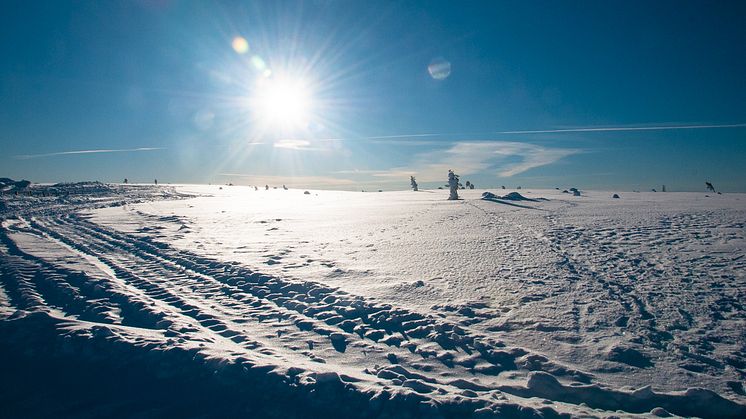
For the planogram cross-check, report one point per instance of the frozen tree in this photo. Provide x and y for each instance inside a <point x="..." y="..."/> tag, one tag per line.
<point x="709" y="186"/>
<point x="453" y="185"/>
<point x="468" y="185"/>
<point x="125" y="180"/>
<point x="413" y="182"/>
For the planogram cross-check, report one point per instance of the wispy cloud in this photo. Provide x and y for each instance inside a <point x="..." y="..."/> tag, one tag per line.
<point x="399" y="173"/>
<point x="304" y="145"/>
<point x="501" y="158"/>
<point x="356" y="172"/>
<point x="504" y="158"/>
<point x="292" y="144"/>
<point x="66" y="153"/>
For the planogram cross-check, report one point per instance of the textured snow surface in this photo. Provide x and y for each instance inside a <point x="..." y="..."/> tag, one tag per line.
<point x="195" y="300"/>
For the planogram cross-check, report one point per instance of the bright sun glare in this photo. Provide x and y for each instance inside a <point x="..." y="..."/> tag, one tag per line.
<point x="284" y="103"/>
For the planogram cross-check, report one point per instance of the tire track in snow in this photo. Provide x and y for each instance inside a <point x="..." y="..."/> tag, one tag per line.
<point x="343" y="319"/>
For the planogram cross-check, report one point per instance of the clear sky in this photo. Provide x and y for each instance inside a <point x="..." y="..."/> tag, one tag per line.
<point x="362" y="94"/>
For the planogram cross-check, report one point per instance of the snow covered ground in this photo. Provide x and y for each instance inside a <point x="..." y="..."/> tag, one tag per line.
<point x="202" y="300"/>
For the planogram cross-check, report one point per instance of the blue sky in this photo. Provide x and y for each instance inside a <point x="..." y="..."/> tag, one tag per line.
<point x="504" y="93"/>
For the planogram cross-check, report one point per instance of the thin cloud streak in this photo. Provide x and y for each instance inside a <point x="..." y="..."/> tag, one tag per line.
<point x="612" y="129"/>
<point x="66" y="153"/>
<point x="392" y="138"/>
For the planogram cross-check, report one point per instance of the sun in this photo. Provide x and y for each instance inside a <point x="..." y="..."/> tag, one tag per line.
<point x="283" y="103"/>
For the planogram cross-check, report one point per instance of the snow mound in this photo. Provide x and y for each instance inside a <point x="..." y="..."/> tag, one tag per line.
<point x="691" y="402"/>
<point x="515" y="196"/>
<point x="629" y="356"/>
<point x="10" y="185"/>
<point x="88" y="187"/>
<point x="512" y="196"/>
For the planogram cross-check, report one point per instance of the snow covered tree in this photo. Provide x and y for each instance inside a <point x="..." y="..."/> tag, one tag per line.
<point x="413" y="182"/>
<point x="453" y="185"/>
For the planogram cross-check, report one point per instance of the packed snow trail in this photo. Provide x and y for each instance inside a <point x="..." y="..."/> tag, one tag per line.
<point x="118" y="294"/>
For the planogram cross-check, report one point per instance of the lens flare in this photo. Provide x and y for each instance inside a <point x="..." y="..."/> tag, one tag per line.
<point x="439" y="68"/>
<point x="240" y="45"/>
<point x="258" y="63"/>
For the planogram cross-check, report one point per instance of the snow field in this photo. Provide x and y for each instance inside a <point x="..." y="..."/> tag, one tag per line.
<point x="399" y="303"/>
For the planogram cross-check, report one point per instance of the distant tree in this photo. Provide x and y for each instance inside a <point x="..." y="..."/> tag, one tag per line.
<point x="266" y="187"/>
<point x="413" y="182"/>
<point x="468" y="185"/>
<point x="453" y="185"/>
<point x="155" y="181"/>
<point x="284" y="187"/>
<point x="125" y="180"/>
<point x="502" y="187"/>
<point x="709" y="186"/>
<point x="663" y="189"/>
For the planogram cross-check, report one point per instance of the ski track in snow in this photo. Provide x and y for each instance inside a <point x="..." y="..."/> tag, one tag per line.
<point x="598" y="288"/>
